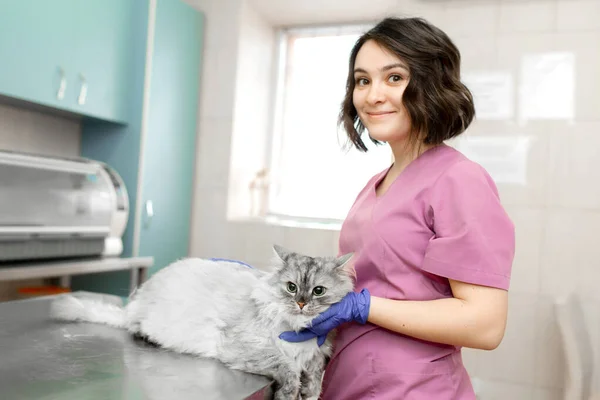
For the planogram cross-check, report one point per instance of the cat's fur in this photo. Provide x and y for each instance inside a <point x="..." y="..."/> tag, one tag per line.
<point x="232" y="313"/>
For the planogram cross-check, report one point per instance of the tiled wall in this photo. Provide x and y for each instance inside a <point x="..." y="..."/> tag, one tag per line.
<point x="554" y="205"/>
<point x="31" y="131"/>
<point x="34" y="132"/>
<point x="548" y="179"/>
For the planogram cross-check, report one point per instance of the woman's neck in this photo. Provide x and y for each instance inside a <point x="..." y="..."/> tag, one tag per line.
<point x="404" y="153"/>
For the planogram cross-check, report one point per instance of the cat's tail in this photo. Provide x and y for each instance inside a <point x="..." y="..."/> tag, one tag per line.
<point x="73" y="309"/>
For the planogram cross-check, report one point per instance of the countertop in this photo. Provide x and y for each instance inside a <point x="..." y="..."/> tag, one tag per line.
<point x="46" y="360"/>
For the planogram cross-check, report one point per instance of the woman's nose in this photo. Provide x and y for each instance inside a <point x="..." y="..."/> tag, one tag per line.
<point x="376" y="94"/>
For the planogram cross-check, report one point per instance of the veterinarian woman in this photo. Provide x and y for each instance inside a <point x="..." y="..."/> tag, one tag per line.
<point x="433" y="245"/>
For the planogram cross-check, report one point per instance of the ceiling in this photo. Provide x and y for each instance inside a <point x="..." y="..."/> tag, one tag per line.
<point x="309" y="12"/>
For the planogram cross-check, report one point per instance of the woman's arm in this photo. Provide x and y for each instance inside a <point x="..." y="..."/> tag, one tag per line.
<point x="475" y="317"/>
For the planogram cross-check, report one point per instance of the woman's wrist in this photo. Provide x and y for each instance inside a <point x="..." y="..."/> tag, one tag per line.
<point x="362" y="306"/>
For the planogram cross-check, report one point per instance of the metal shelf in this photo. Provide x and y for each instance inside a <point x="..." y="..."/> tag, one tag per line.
<point x="67" y="268"/>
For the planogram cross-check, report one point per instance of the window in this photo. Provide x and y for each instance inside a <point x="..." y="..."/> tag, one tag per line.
<point x="314" y="175"/>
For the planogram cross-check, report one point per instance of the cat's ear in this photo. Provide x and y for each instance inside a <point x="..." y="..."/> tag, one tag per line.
<point x="342" y="260"/>
<point x="344" y="263"/>
<point x="281" y="253"/>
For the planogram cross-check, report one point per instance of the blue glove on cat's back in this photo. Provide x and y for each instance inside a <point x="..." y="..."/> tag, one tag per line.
<point x="353" y="307"/>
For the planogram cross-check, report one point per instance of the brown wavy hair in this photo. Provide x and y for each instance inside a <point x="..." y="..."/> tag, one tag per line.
<point x="440" y="106"/>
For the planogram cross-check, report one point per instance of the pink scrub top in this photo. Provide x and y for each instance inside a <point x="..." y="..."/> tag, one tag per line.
<point x="440" y="219"/>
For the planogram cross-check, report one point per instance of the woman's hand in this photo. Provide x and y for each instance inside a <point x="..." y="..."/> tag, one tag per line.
<point x="353" y="307"/>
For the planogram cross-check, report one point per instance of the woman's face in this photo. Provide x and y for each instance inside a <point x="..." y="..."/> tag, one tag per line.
<point x="380" y="80"/>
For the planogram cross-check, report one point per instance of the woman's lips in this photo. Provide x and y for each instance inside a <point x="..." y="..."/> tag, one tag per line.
<point x="380" y="114"/>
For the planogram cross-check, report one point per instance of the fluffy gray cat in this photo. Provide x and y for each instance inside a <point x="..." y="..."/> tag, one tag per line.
<point x="233" y="313"/>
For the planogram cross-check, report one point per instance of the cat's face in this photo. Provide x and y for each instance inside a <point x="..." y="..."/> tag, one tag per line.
<point x="307" y="285"/>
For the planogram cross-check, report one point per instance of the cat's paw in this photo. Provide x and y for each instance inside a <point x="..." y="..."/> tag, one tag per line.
<point x="310" y="395"/>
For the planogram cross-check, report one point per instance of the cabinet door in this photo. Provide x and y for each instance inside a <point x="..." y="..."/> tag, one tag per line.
<point x="36" y="49"/>
<point x="103" y="66"/>
<point x="170" y="142"/>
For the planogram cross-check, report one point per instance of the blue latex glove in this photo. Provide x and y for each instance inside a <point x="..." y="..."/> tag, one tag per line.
<point x="231" y="261"/>
<point x="353" y="307"/>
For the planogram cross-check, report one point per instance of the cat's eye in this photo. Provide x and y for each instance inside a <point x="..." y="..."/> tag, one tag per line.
<point x="291" y="287"/>
<point x="319" y="291"/>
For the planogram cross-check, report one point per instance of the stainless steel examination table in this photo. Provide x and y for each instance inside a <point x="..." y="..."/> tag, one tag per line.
<point x="45" y="360"/>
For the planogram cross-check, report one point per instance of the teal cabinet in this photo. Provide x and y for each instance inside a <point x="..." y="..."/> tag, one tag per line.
<point x="170" y="145"/>
<point x="155" y="152"/>
<point x="70" y="55"/>
<point x="102" y="63"/>
<point x="36" y="49"/>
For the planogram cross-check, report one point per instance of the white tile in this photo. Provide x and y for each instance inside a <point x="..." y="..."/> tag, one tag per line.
<point x="549" y="360"/>
<point x="532" y="191"/>
<point x="591" y="311"/>
<point x="222" y="23"/>
<point x="311" y="242"/>
<point x="470" y="18"/>
<point x="584" y="47"/>
<point x="213" y="153"/>
<point x="434" y="12"/>
<point x="210" y="235"/>
<point x="335" y="245"/>
<point x="515" y="156"/>
<point x="574" y="154"/>
<point x="529" y="228"/>
<point x="513" y="360"/>
<point x="527" y="15"/>
<point x="471" y="361"/>
<point x="218" y="83"/>
<point x="517" y="56"/>
<point x="575" y="15"/>
<point x="498" y="390"/>
<point x="512" y="47"/>
<point x="547" y="394"/>
<point x="257" y="240"/>
<point x="570" y="253"/>
<point x="478" y="53"/>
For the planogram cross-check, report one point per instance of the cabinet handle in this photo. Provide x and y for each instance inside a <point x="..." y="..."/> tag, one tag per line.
<point x="63" y="84"/>
<point x="82" y="91"/>
<point x="149" y="213"/>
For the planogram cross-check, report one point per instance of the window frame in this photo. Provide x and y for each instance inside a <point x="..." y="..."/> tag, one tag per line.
<point x="284" y="36"/>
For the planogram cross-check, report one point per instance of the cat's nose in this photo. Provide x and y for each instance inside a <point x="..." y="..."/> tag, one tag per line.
<point x="301" y="305"/>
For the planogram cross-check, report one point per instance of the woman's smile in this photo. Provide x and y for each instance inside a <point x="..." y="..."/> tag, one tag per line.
<point x="379" y="114"/>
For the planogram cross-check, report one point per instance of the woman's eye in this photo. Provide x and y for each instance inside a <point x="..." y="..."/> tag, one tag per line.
<point x="291" y="287"/>
<point x="361" y="82"/>
<point x="395" y="78"/>
<point x="319" y="291"/>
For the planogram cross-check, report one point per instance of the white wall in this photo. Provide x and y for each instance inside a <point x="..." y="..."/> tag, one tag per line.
<point x="252" y="106"/>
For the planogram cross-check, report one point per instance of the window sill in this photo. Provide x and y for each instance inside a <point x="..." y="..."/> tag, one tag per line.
<point x="291" y="222"/>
